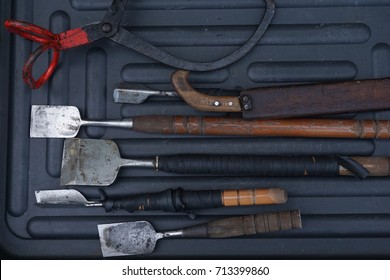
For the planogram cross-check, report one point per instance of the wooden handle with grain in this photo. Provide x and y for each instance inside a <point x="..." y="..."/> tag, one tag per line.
<point x="281" y="102"/>
<point x="317" y="99"/>
<point x="323" y="128"/>
<point x="376" y="166"/>
<point x="201" y="101"/>
<point x="246" y="225"/>
<point x="249" y="197"/>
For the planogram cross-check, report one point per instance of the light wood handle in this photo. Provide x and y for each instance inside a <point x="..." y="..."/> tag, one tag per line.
<point x="254" y="197"/>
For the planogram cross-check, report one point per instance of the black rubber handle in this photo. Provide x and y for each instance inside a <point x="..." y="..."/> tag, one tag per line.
<point x="177" y="200"/>
<point x="250" y="165"/>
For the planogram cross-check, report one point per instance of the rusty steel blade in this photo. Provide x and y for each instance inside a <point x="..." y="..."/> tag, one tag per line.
<point x="133" y="238"/>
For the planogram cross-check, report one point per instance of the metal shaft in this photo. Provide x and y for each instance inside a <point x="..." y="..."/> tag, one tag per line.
<point x="151" y="163"/>
<point x="125" y="123"/>
<point x="168" y="234"/>
<point x="137" y="96"/>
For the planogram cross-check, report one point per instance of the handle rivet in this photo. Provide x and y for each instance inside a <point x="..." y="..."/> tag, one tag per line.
<point x="230" y="103"/>
<point x="217" y="103"/>
<point x="106" y="27"/>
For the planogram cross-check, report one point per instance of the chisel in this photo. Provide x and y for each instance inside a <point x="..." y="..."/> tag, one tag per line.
<point x="137" y="238"/>
<point x="53" y="121"/>
<point x="171" y="200"/>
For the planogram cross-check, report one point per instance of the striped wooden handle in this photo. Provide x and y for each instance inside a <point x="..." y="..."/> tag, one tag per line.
<point x="254" y="224"/>
<point x="246" y="225"/>
<point x="254" y="197"/>
<point x="323" y="128"/>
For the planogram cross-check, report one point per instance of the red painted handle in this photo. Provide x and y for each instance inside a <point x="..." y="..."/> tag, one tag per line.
<point x="47" y="39"/>
<point x="31" y="32"/>
<point x="28" y="67"/>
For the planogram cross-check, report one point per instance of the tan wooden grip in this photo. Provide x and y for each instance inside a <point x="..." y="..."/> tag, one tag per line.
<point x="201" y="101"/>
<point x="253" y="224"/>
<point x="254" y="197"/>
<point x="323" y="128"/>
<point x="376" y="166"/>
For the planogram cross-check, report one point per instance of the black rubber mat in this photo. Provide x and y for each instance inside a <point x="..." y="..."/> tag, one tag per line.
<point x="308" y="41"/>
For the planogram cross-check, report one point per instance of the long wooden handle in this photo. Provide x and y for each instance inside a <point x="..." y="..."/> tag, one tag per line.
<point x="246" y="225"/>
<point x="317" y="99"/>
<point x="254" y="224"/>
<point x="324" y="128"/>
<point x="291" y="101"/>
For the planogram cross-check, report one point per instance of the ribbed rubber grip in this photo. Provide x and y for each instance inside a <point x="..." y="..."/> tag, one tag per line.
<point x="250" y="165"/>
<point x="176" y="200"/>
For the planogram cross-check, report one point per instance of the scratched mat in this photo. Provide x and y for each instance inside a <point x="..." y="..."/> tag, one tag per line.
<point x="307" y="41"/>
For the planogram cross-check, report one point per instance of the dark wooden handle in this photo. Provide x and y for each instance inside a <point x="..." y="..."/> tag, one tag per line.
<point x="254" y="224"/>
<point x="246" y="225"/>
<point x="324" y="128"/>
<point x="317" y="99"/>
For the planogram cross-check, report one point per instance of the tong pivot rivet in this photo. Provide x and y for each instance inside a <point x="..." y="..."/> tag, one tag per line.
<point x="106" y="27"/>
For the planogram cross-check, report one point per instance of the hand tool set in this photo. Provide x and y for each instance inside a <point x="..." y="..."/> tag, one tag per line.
<point x="254" y="114"/>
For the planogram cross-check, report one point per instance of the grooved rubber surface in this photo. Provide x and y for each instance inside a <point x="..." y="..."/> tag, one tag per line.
<point x="307" y="41"/>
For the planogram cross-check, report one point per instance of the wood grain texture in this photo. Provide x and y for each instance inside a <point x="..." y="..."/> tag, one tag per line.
<point x="254" y="197"/>
<point x="254" y="224"/>
<point x="201" y="101"/>
<point x="376" y="166"/>
<point x="318" y="128"/>
<point x="318" y="99"/>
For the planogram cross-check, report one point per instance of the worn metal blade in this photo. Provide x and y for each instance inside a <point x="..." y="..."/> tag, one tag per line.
<point x="49" y="121"/>
<point x="66" y="196"/>
<point x="131" y="238"/>
<point x="138" y="96"/>
<point x="89" y="162"/>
